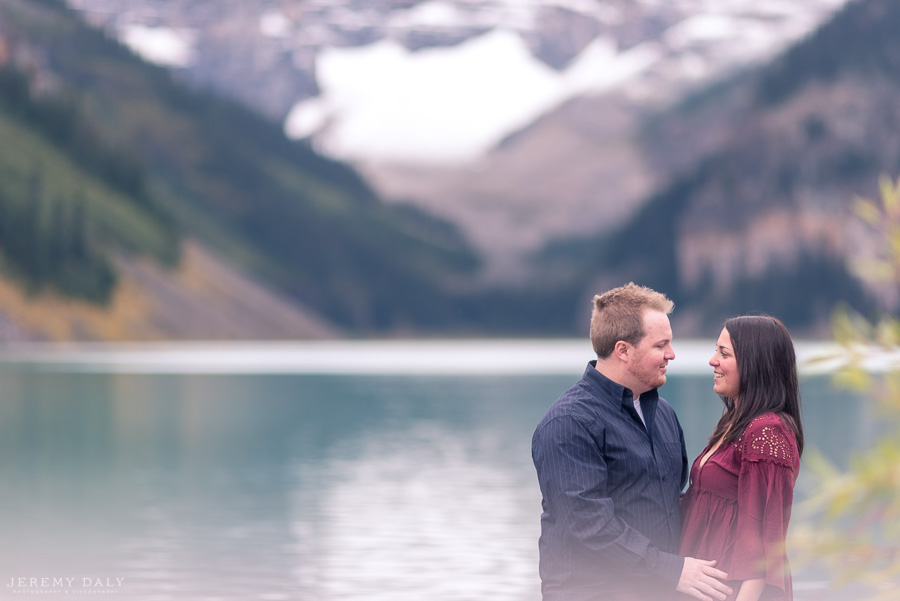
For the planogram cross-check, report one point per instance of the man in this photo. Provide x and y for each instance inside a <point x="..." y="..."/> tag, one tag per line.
<point x="611" y="463"/>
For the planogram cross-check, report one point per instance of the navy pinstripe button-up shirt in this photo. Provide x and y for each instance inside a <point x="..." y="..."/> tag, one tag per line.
<point x="610" y="486"/>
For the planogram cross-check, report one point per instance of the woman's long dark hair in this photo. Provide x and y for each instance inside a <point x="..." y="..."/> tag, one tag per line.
<point x="767" y="376"/>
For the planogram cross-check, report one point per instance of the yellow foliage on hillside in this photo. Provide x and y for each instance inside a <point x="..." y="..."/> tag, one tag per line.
<point x="204" y="298"/>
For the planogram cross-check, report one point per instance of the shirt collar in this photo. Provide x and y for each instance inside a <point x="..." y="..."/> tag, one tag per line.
<point x="613" y="390"/>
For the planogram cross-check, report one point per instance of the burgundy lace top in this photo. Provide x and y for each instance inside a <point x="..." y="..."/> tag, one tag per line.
<point x="738" y="506"/>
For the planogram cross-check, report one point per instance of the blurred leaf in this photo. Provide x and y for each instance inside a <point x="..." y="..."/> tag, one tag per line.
<point x="867" y="210"/>
<point x="853" y="516"/>
<point x="890" y="196"/>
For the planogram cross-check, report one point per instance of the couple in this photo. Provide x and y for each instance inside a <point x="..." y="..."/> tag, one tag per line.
<point x="611" y="463"/>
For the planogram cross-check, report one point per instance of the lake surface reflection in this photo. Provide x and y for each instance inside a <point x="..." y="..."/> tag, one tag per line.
<point x="298" y="486"/>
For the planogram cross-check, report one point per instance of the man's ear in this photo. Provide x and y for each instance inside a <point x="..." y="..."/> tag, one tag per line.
<point x="621" y="350"/>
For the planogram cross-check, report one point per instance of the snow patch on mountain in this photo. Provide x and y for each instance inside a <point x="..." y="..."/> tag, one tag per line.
<point x="274" y="24"/>
<point x="445" y="104"/>
<point x="161" y="45"/>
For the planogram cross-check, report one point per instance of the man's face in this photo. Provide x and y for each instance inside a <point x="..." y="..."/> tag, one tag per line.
<point x="647" y="366"/>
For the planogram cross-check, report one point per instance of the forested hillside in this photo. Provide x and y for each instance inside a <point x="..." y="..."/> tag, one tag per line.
<point x="65" y="198"/>
<point x="104" y="154"/>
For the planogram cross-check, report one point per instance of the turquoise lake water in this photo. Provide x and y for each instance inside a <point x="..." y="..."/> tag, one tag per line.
<point x="137" y="477"/>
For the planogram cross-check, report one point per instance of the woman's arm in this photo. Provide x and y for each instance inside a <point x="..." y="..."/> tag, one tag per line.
<point x="751" y="590"/>
<point x="769" y="462"/>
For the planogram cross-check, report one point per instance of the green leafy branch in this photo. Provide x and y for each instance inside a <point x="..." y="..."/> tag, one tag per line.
<point x="853" y="518"/>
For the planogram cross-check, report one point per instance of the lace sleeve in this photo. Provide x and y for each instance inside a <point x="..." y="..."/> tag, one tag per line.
<point x="769" y="464"/>
<point x="768" y="439"/>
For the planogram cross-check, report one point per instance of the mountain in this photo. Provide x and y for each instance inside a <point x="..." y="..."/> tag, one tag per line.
<point x="732" y="198"/>
<point x="543" y="52"/>
<point x="579" y="167"/>
<point x="516" y="121"/>
<point x="86" y="252"/>
<point x="758" y="216"/>
<point x="137" y="165"/>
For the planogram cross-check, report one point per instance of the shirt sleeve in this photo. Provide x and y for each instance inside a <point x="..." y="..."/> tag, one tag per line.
<point x="573" y="477"/>
<point x="769" y="460"/>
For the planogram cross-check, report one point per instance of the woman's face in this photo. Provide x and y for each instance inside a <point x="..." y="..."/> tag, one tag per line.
<point x="726" y="379"/>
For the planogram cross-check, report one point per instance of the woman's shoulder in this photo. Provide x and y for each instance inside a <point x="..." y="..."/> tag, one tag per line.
<point x="768" y="438"/>
<point x="766" y="420"/>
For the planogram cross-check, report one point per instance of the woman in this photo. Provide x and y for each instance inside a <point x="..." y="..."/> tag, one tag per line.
<point x="738" y="504"/>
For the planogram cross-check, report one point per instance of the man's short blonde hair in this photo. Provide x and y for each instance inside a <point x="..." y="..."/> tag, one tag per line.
<point x="619" y="315"/>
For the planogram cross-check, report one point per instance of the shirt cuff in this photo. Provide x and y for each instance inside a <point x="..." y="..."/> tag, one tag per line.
<point x="666" y="565"/>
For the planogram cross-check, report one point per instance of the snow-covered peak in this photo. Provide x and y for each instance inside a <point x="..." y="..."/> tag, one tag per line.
<point x="444" y="80"/>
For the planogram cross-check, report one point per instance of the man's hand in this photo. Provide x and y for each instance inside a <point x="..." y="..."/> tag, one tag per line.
<point x="701" y="580"/>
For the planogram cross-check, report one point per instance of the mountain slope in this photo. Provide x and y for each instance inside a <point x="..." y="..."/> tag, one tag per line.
<point x="759" y="218"/>
<point x="59" y="217"/>
<point x="579" y="166"/>
<point x="305" y="224"/>
<point x="82" y="260"/>
<point x="202" y="298"/>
